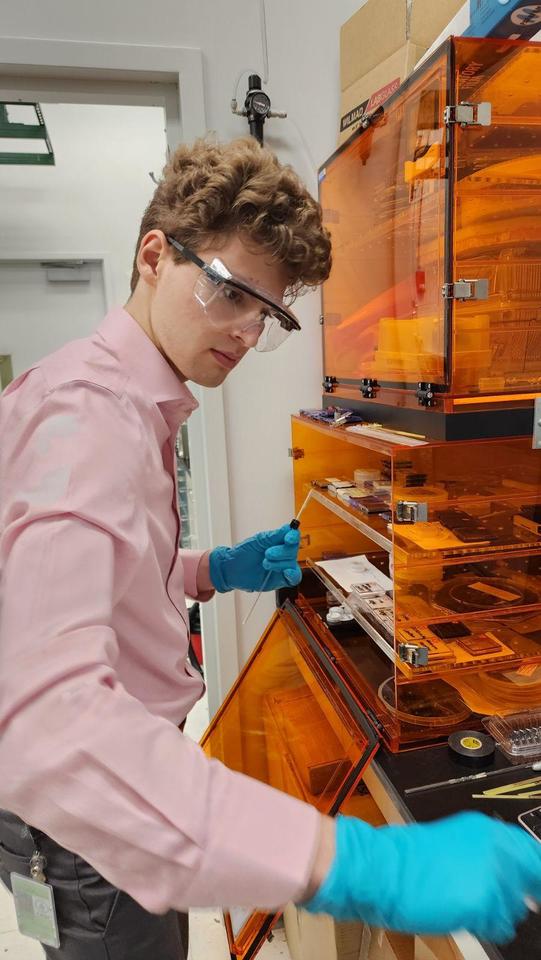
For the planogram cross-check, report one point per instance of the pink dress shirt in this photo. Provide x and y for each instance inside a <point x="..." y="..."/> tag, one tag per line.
<point x="94" y="678"/>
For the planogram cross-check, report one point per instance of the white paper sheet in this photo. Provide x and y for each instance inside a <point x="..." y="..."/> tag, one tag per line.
<point x="349" y="570"/>
<point x="394" y="436"/>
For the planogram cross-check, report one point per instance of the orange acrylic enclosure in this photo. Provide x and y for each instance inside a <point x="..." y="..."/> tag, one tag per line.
<point x="433" y="305"/>
<point x="434" y="556"/>
<point x="419" y="613"/>
<point x="292" y="722"/>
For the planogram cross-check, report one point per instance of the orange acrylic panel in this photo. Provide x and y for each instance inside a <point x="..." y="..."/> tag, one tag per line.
<point x="433" y="307"/>
<point x="467" y="577"/>
<point x="496" y="346"/>
<point x="455" y="618"/>
<point x="290" y="721"/>
<point x="383" y="200"/>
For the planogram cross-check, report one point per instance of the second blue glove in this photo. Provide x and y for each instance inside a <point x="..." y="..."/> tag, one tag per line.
<point x="245" y="566"/>
<point x="464" y="872"/>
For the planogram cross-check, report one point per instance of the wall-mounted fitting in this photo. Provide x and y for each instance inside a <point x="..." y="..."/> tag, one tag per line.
<point x="257" y="108"/>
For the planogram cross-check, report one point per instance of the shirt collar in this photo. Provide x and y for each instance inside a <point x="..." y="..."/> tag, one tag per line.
<point x="144" y="361"/>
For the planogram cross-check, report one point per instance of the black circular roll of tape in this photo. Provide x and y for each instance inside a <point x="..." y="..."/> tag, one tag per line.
<point x="472" y="747"/>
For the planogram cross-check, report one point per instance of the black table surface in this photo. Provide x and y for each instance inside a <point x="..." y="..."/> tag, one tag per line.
<point x="429" y="765"/>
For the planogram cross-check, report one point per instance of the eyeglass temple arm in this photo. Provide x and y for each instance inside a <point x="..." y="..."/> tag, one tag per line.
<point x="190" y="255"/>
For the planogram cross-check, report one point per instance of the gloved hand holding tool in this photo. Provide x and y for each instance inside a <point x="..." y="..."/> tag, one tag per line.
<point x="275" y="552"/>
<point x="466" y="872"/>
<point x="265" y="561"/>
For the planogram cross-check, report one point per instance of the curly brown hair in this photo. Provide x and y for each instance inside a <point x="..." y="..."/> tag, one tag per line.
<point x="211" y="190"/>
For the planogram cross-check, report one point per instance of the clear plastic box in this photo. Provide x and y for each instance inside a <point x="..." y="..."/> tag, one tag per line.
<point x="518" y="735"/>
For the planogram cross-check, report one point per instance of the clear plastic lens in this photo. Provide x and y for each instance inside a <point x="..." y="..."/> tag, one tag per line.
<point x="228" y="307"/>
<point x="272" y="336"/>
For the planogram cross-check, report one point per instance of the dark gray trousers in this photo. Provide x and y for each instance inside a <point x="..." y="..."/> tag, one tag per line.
<point x="95" y="920"/>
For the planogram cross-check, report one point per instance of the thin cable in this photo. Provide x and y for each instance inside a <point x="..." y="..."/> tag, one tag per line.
<point x="264" y="43"/>
<point x="264" y="53"/>
<point x="234" y="99"/>
<point x="312" y="164"/>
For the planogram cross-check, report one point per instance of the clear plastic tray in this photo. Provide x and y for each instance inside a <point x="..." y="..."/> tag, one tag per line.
<point x="518" y="735"/>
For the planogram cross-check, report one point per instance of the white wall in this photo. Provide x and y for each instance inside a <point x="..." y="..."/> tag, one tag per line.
<point x="91" y="201"/>
<point x="303" y="42"/>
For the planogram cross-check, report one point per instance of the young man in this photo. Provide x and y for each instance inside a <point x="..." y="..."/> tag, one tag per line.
<point x="127" y="819"/>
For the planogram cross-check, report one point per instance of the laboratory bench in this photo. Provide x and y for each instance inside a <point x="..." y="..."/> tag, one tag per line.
<point x="390" y="777"/>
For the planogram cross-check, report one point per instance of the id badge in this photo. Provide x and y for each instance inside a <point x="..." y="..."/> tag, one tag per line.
<point x="35" y="909"/>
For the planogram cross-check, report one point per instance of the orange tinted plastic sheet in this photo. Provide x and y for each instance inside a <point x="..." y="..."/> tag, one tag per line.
<point x="290" y="723"/>
<point x="284" y="723"/>
<point x="396" y="242"/>
<point x="384" y="203"/>
<point x="497" y="694"/>
<point x="497" y="343"/>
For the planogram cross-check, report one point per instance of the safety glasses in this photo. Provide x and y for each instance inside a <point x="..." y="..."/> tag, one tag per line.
<point x="230" y="303"/>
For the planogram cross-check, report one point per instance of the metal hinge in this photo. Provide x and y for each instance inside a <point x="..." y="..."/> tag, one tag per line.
<point x="425" y="394"/>
<point x="328" y="384"/>
<point x="469" y="114"/>
<point x="411" y="511"/>
<point x="466" y="290"/>
<point x="413" y="654"/>
<point x="296" y="453"/>
<point x="536" y="439"/>
<point x="368" y="388"/>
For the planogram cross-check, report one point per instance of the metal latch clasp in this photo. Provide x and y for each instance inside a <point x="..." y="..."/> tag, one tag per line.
<point x="411" y="511"/>
<point x="412" y="653"/>
<point x="469" y="114"/>
<point x="466" y="289"/>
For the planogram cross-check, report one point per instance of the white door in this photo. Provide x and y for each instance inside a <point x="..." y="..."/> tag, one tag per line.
<point x="39" y="312"/>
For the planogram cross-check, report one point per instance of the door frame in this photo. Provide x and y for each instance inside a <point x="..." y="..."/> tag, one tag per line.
<point x="30" y="61"/>
<point x="90" y="72"/>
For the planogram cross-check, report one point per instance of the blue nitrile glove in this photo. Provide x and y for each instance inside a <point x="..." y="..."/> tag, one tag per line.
<point x="467" y="872"/>
<point x="246" y="566"/>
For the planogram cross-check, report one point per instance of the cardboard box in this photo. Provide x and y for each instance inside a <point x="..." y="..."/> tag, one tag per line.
<point x="455" y="28"/>
<point x="368" y="92"/>
<point x="379" y="29"/>
<point x="480" y="21"/>
<point x="322" y="938"/>
<point x="514" y="20"/>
